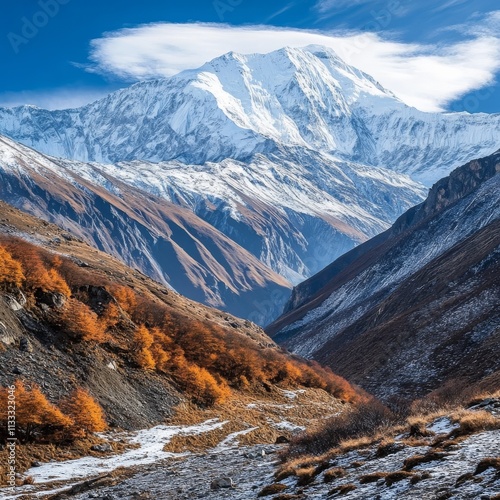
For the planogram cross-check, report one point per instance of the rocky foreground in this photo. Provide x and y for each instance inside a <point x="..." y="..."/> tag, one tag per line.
<point x="463" y="468"/>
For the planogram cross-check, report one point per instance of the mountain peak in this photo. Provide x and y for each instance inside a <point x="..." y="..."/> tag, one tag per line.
<point x="236" y="106"/>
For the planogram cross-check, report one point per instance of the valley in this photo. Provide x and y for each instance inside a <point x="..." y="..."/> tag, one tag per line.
<point x="267" y="277"/>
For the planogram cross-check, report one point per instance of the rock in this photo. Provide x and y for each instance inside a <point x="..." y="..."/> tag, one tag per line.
<point x="80" y="263"/>
<point x="102" y="448"/>
<point x="282" y="440"/>
<point x="51" y="299"/>
<point x="97" y="297"/>
<point x="389" y="449"/>
<point x="25" y="345"/>
<point x="221" y="482"/>
<point x="36" y="464"/>
<point x="13" y="303"/>
<point x="17" y="371"/>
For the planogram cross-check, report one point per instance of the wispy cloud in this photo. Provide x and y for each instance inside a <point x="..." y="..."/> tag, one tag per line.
<point x="427" y="77"/>
<point x="58" y="98"/>
<point x="279" y="12"/>
<point x="336" y="5"/>
<point x="448" y="5"/>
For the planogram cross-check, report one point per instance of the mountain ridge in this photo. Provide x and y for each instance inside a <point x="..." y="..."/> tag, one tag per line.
<point x="236" y="105"/>
<point x="405" y="306"/>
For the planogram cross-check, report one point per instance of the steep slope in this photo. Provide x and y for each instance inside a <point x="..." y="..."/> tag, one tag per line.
<point x="238" y="105"/>
<point x="165" y="241"/>
<point x="417" y="305"/>
<point x="42" y="332"/>
<point x="294" y="222"/>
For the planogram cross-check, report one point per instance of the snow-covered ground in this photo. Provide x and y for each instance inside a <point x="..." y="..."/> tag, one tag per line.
<point x="251" y="468"/>
<point x="150" y="450"/>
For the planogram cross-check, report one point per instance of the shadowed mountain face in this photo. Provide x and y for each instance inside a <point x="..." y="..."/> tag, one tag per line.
<point x="418" y="304"/>
<point x="165" y="241"/>
<point x="231" y="235"/>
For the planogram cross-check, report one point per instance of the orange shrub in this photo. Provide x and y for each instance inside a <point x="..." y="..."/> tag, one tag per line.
<point x="199" y="383"/>
<point x="80" y="321"/>
<point x="111" y="316"/>
<point x="35" y="415"/>
<point x="143" y="340"/>
<point x="38" y="268"/>
<point x="125" y="297"/>
<point x="11" y="272"/>
<point x="86" y="413"/>
<point x="161" y="349"/>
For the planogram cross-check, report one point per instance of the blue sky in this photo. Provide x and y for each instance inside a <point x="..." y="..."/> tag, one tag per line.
<point x="436" y="55"/>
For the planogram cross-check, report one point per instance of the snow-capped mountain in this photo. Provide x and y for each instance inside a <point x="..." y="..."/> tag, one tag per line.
<point x="239" y="105"/>
<point x="232" y="215"/>
<point x="418" y="304"/>
<point x="165" y="241"/>
<point x="292" y="210"/>
<point x="293" y="156"/>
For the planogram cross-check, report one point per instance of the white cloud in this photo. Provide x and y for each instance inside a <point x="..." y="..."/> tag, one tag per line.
<point x="427" y="77"/>
<point x="58" y="98"/>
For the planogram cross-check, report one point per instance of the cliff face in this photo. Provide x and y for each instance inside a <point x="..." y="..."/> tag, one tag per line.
<point x="416" y="305"/>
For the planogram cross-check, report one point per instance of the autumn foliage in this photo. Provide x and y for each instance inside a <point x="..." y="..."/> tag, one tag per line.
<point x="143" y="340"/>
<point x="35" y="415"/>
<point x="81" y="322"/>
<point x="86" y="414"/>
<point x="11" y="272"/>
<point x="39" y="268"/>
<point x="205" y="360"/>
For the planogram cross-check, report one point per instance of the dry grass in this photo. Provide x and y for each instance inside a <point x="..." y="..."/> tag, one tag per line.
<point x="363" y="421"/>
<point x="471" y="422"/>
<point x="357" y="464"/>
<point x="26" y="454"/>
<point x="372" y="478"/>
<point x="418" y="425"/>
<point x="388" y="447"/>
<point x="395" y="477"/>
<point x="432" y="456"/>
<point x="245" y="412"/>
<point x="272" y="489"/>
<point x="332" y="474"/>
<point x="342" y="489"/>
<point x="487" y="463"/>
<point x="305" y="475"/>
<point x="414" y="442"/>
<point x="478" y="398"/>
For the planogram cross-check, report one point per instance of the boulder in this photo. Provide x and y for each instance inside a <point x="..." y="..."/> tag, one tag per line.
<point x="102" y="448"/>
<point x="282" y="440"/>
<point x="221" y="482"/>
<point x="51" y="299"/>
<point x="25" y="345"/>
